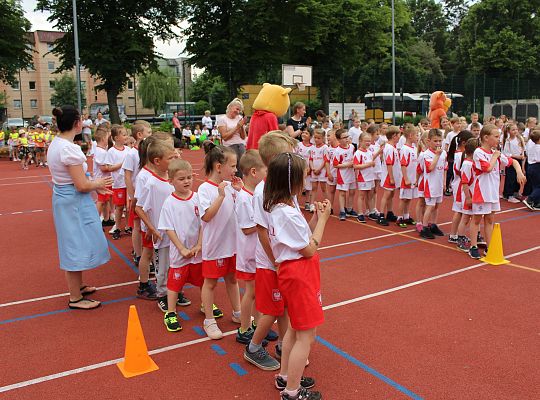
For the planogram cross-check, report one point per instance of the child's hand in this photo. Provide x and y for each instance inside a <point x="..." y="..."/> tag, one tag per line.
<point x="496" y="154"/>
<point x="372" y="163"/>
<point x="521" y="178"/>
<point x="186" y="253"/>
<point x="104" y="191"/>
<point x="407" y="182"/>
<point x="154" y="234"/>
<point x="237" y="183"/>
<point x="323" y="209"/>
<point x="221" y="189"/>
<point x="438" y="151"/>
<point x="103" y="183"/>
<point x="331" y="178"/>
<point x="317" y="172"/>
<point x="468" y="202"/>
<point x="195" y="250"/>
<point x="392" y="182"/>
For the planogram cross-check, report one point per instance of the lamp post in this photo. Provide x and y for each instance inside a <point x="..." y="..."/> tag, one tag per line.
<point x="76" y="44"/>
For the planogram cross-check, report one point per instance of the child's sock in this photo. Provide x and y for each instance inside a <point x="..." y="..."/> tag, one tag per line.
<point x="253" y="348"/>
<point x="406" y="215"/>
<point x="236" y="314"/>
<point x="209" y="321"/>
<point x="292" y="393"/>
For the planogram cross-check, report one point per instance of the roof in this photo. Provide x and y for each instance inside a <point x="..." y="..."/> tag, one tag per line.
<point x="30" y="37"/>
<point x="49" y="36"/>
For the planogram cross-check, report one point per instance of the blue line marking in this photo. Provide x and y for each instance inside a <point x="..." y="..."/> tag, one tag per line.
<point x="368" y="369"/>
<point x="518" y="218"/>
<point x="199" y="331"/>
<point x="368" y="251"/>
<point x="123" y="257"/>
<point x="118" y="300"/>
<point x="238" y="369"/>
<point x="218" y="349"/>
<point x="184" y="316"/>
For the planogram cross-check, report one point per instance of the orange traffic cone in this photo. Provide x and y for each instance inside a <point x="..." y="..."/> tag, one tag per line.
<point x="136" y="358"/>
<point x="495" y="254"/>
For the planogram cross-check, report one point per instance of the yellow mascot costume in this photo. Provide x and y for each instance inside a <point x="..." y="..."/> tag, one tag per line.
<point x="438" y="107"/>
<point x="271" y="102"/>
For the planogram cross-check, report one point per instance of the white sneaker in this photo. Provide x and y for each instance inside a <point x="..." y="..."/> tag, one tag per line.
<point x="512" y="199"/>
<point x="212" y="331"/>
<point x="113" y="229"/>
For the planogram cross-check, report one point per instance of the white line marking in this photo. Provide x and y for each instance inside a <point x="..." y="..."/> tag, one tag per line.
<point x="35" y="211"/>
<point x="23" y="177"/>
<point x="16" y="212"/>
<point x="206" y="339"/>
<point x="22" y="183"/>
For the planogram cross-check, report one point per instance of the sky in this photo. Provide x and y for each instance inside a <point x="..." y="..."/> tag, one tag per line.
<point x="39" y="22"/>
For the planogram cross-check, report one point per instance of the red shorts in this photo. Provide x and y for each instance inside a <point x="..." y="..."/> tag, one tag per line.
<point x="178" y="277"/>
<point x="245" y="276"/>
<point x="300" y="285"/>
<point x="119" y="197"/>
<point x="214" y="269"/>
<point x="132" y="217"/>
<point x="268" y="299"/>
<point x="103" y="198"/>
<point x="146" y="243"/>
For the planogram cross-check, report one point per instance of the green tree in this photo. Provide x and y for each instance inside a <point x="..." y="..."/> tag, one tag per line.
<point x="430" y="24"/>
<point x="14" y="53"/>
<point x="65" y="91"/>
<point x="212" y="89"/>
<point x="115" y="38"/>
<point x="157" y="88"/>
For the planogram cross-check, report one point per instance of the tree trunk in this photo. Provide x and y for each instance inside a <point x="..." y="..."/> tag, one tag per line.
<point x="325" y="95"/>
<point x="112" y="94"/>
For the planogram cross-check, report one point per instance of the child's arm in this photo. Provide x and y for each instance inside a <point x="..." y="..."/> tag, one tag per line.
<point x="198" y="246"/>
<point x="130" y="188"/>
<point x="467" y="191"/>
<point x="390" y="174"/>
<point x="365" y="165"/>
<point x="494" y="157"/>
<point x="520" y="176"/>
<point x="434" y="162"/>
<point x="405" y="176"/>
<point x="262" y="234"/>
<point x="214" y="207"/>
<point x="328" y="174"/>
<point x="187" y="253"/>
<point x="113" y="167"/>
<point x="323" y="211"/>
<point x="249" y="231"/>
<point x="144" y="218"/>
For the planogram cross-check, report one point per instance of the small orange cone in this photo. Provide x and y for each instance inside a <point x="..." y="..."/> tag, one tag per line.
<point x="495" y="254"/>
<point x="136" y="358"/>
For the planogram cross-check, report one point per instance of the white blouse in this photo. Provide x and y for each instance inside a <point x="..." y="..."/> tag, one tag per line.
<point x="61" y="154"/>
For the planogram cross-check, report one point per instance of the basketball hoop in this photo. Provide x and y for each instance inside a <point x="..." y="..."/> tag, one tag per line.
<point x="300" y="86"/>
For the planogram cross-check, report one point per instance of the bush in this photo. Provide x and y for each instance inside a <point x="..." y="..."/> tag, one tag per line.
<point x="201" y="106"/>
<point x="166" y="126"/>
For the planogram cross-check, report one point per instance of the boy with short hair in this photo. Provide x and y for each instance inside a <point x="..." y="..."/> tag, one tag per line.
<point x="390" y="176"/>
<point x="304" y="149"/>
<point x="101" y="170"/>
<point x="409" y="161"/>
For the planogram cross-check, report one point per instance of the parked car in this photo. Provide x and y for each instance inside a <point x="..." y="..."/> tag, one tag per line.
<point x="47" y="119"/>
<point x="165" y="116"/>
<point x="13" y="123"/>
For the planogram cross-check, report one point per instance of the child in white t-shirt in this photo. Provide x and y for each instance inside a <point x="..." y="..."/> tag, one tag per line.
<point x="346" y="178"/>
<point x="390" y="176"/>
<point x="318" y="161"/>
<point x="364" y="165"/>
<point x="409" y="162"/>
<point x="304" y="150"/>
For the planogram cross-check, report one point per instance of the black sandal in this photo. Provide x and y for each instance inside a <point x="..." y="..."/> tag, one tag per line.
<point x="86" y="290"/>
<point x="73" y="306"/>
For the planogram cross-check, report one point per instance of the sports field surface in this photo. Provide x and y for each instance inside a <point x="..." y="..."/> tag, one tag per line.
<point x="405" y="317"/>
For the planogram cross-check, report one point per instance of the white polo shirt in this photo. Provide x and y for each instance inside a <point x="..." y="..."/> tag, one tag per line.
<point x="434" y="180"/>
<point x="159" y="190"/>
<point x="260" y="217"/>
<point x="289" y="232"/>
<point x="131" y="163"/>
<point x="245" y="244"/>
<point x="117" y="156"/>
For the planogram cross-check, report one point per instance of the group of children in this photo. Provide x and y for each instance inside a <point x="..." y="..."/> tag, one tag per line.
<point x="28" y="146"/>
<point x="194" y="138"/>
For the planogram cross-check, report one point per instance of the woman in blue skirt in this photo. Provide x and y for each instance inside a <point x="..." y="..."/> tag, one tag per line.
<point x="81" y="241"/>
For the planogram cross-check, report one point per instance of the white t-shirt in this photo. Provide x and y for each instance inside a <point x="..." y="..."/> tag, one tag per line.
<point x="401" y="142"/>
<point x="354" y="133"/>
<point x="289" y="232"/>
<point x="98" y="122"/>
<point x="434" y="180"/>
<point x="330" y="156"/>
<point x="186" y="133"/>
<point x="318" y="156"/>
<point x="364" y="157"/>
<point x="448" y="140"/>
<point x="245" y="244"/>
<point x="61" y="154"/>
<point x="390" y="158"/>
<point x="458" y="156"/>
<point x="533" y="153"/>
<point x="131" y="163"/>
<point x="117" y="156"/>
<point x="229" y="124"/>
<point x="92" y="150"/>
<point x="100" y="159"/>
<point x="409" y="160"/>
<point x="260" y="217"/>
<point x="375" y="147"/>
<point x="486" y="187"/>
<point x="219" y="235"/>
<point x="343" y="156"/>
<point x="86" y="124"/>
<point x="512" y="147"/>
<point x="141" y="188"/>
<point x="207" y="121"/>
<point x="182" y="217"/>
<point x="304" y="150"/>
<point x="158" y="191"/>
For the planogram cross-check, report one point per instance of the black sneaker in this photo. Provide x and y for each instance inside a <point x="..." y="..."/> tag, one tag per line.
<point x="342" y="216"/>
<point x="303" y="394"/>
<point x="382" y="221"/>
<point x="162" y="303"/>
<point x="109" y="222"/>
<point x="215" y="310"/>
<point x="391" y="217"/>
<point x="448" y="192"/>
<point x="481" y="242"/>
<point x="171" y="322"/>
<point x="530" y="205"/>
<point x="278" y="352"/>
<point x="351" y="213"/>
<point x="183" y="300"/>
<point x="128" y="231"/>
<point x="453" y="239"/>
<point x="147" y="292"/>
<point x="426" y="233"/>
<point x="361" y="218"/>
<point x="474" y="253"/>
<point x="435" y="230"/>
<point x="373" y="216"/>
<point x="244" y="337"/>
<point x="410" y="221"/>
<point x="261" y="359"/>
<point x="116" y="234"/>
<point x="305" y="382"/>
<point x="401" y="223"/>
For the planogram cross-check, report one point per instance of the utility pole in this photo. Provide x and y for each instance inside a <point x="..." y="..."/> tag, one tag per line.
<point x="20" y="94"/>
<point x="77" y="66"/>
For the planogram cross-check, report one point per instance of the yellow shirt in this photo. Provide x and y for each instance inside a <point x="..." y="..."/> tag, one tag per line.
<point x="2" y="135"/>
<point x="23" y="142"/>
<point x="14" y="136"/>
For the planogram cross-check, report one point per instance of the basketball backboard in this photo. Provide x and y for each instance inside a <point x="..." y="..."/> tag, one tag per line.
<point x="295" y="75"/>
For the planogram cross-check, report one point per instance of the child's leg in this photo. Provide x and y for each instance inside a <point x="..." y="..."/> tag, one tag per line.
<point x="362" y="201"/>
<point x="332" y="194"/>
<point x="390" y="201"/>
<point x="342" y="200"/>
<point x="172" y="297"/>
<point x="474" y="229"/>
<point x="464" y="223"/>
<point x="373" y="198"/>
<point x="324" y="190"/>
<point x="263" y="326"/>
<point x="207" y="296"/>
<point x="144" y="263"/>
<point x="118" y="217"/>
<point x="456" y="221"/>
<point x="231" y="284"/>
<point x="386" y="198"/>
<point x="289" y="341"/>
<point x="420" y="209"/>
<point x="489" y="221"/>
<point x="136" y="238"/>
<point x="299" y="353"/>
<point x="162" y="271"/>
<point x="406" y="207"/>
<point x="427" y="215"/>
<point x="246" y="306"/>
<point x="350" y="199"/>
<point x="435" y="214"/>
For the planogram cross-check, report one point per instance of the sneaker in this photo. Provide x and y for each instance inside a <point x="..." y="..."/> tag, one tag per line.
<point x="182" y="300"/>
<point x="311" y="208"/>
<point x="474" y="253"/>
<point x="303" y="394"/>
<point x="148" y="292"/>
<point x="435" y="230"/>
<point x="128" y="231"/>
<point x="373" y="216"/>
<point x="361" y="218"/>
<point x="391" y="217"/>
<point x="162" y="303"/>
<point x="216" y="311"/>
<point x="536" y="207"/>
<point x="278" y="352"/>
<point x="109" y="222"/>
<point x="448" y="192"/>
<point x="529" y="204"/>
<point x="513" y="200"/>
<point x="113" y="228"/>
<point x="480" y="240"/>
<point x="410" y="221"/>
<point x="305" y="382"/>
<point x="171" y="322"/>
<point x="342" y="216"/>
<point x="261" y="359"/>
<point x="426" y="233"/>
<point x="351" y="213"/>
<point x="244" y="337"/>
<point x="116" y="234"/>
<point x="463" y="244"/>
<point x="382" y="221"/>
<point x="271" y="336"/>
<point x="401" y="223"/>
<point x="453" y="239"/>
<point x="212" y="331"/>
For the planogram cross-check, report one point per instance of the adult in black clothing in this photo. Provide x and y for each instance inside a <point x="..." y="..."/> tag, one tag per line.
<point x="298" y="121"/>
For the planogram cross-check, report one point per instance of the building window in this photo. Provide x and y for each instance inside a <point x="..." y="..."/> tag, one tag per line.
<point x="16" y="85"/>
<point x="130" y="85"/>
<point x="33" y="103"/>
<point x="32" y="85"/>
<point x="95" y="98"/>
<point x="17" y="104"/>
<point x="51" y="84"/>
<point x="51" y="65"/>
<point x="30" y="67"/>
<point x="50" y="46"/>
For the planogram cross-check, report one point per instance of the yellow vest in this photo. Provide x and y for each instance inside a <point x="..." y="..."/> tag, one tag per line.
<point x="23" y="142"/>
<point x="2" y="135"/>
<point x="14" y="135"/>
